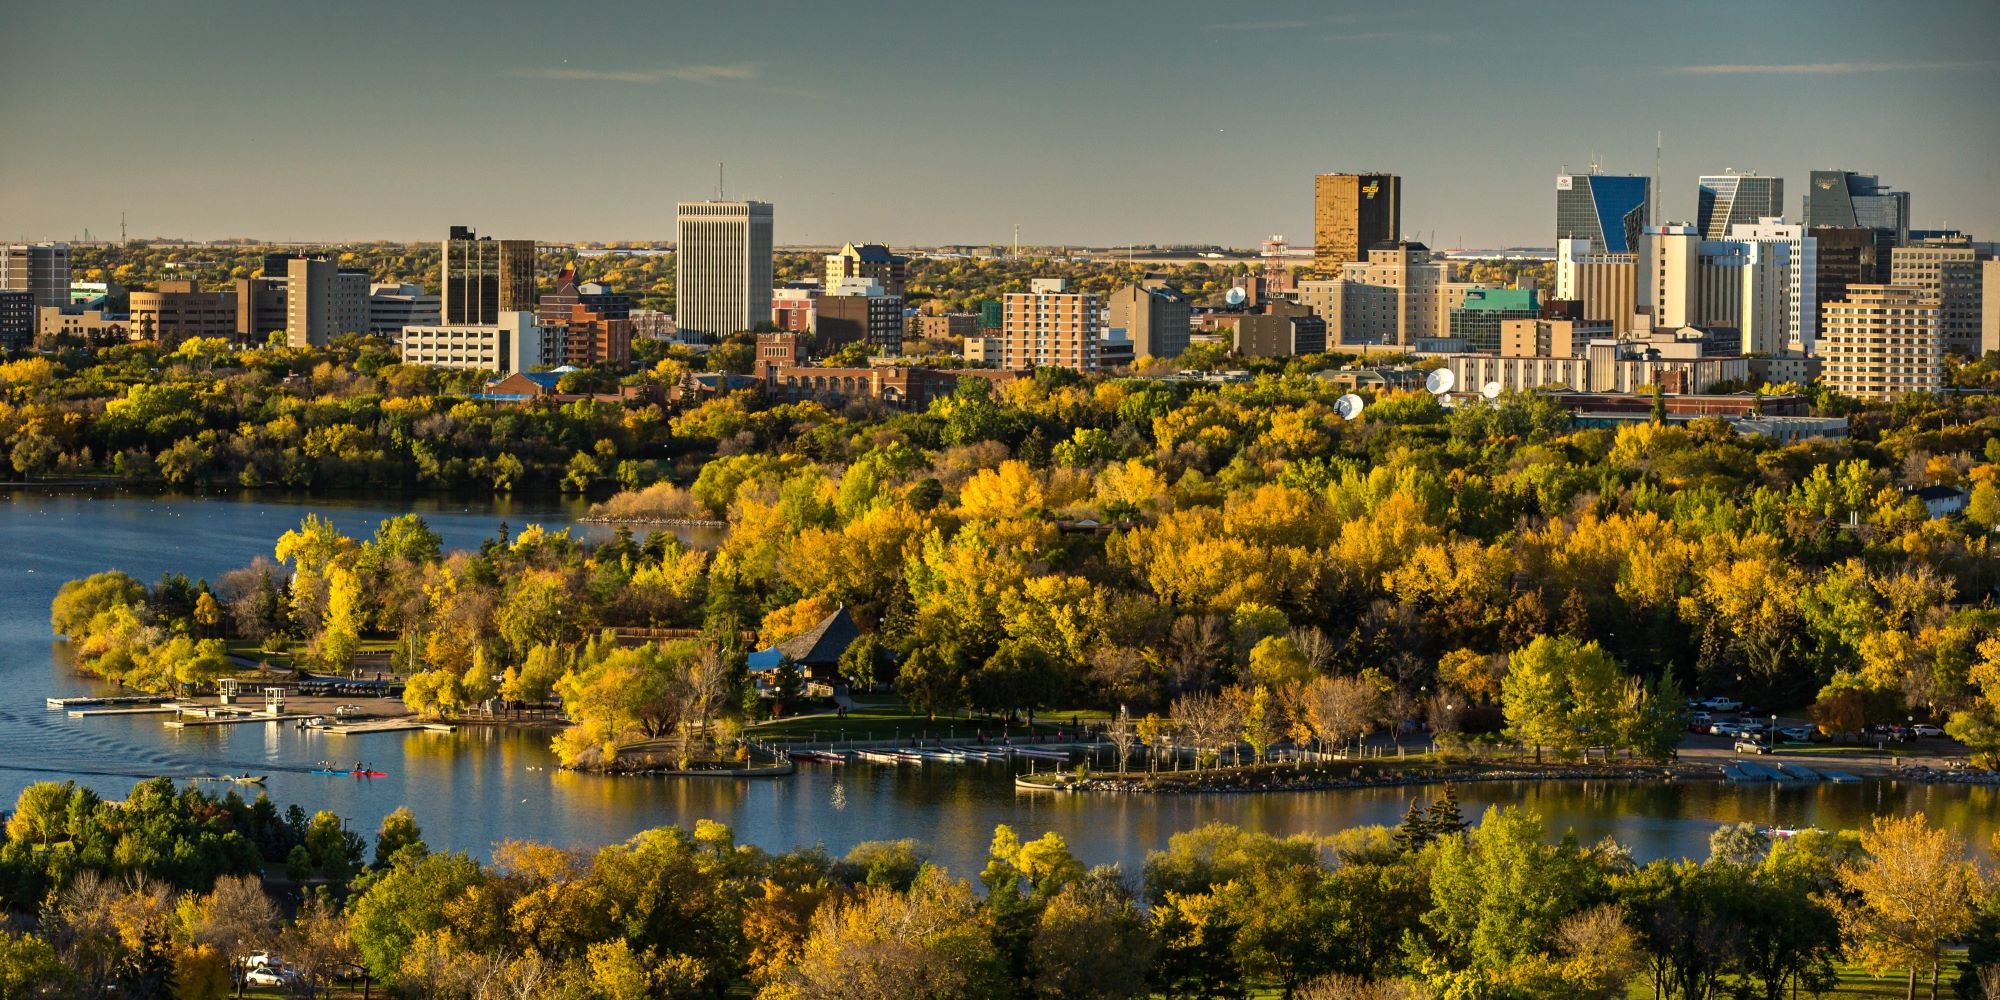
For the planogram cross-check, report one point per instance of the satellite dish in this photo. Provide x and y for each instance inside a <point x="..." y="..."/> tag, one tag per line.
<point x="1440" y="381"/>
<point x="1234" y="296"/>
<point x="1447" y="402"/>
<point x="1349" y="406"/>
<point x="1491" y="390"/>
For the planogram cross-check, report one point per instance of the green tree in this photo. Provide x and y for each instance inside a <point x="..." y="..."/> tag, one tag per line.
<point x="399" y="832"/>
<point x="1499" y="893"/>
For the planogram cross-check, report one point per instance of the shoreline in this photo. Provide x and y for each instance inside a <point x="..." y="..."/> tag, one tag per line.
<point x="666" y="522"/>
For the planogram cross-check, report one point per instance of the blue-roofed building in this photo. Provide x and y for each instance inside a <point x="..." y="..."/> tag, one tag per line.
<point x="1609" y="210"/>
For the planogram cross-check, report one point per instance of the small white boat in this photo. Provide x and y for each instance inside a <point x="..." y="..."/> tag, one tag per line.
<point x="885" y="757"/>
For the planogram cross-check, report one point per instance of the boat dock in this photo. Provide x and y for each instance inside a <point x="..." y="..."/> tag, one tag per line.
<point x="183" y="721"/>
<point x="91" y="713"/>
<point x="404" y="725"/>
<point x="59" y="704"/>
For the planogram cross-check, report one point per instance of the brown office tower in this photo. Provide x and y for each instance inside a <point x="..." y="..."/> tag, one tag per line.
<point x="1352" y="212"/>
<point x="484" y="277"/>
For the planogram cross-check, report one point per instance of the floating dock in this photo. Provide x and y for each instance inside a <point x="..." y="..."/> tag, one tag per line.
<point x="91" y="713"/>
<point x="184" y="722"/>
<point x="387" y="726"/>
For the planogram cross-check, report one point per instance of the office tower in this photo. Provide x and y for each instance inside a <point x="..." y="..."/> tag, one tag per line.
<point x="1797" y="255"/>
<point x="1478" y="322"/>
<point x="260" y="307"/>
<point x="1717" y="285"/>
<point x="722" y="267"/>
<point x="484" y="277"/>
<point x="1399" y="295"/>
<point x="177" y="311"/>
<point x="871" y="261"/>
<point x="1352" y="212"/>
<point x="1881" y="342"/>
<point x="323" y="300"/>
<point x="1851" y="255"/>
<point x="17" y="319"/>
<point x="393" y="306"/>
<point x="1947" y="271"/>
<point x="1607" y="284"/>
<point x="1154" y="318"/>
<point x="1048" y="326"/>
<point x="1729" y="198"/>
<point x="40" y="269"/>
<point x="1847" y="199"/>
<point x="514" y="342"/>
<point x="1609" y="210"/>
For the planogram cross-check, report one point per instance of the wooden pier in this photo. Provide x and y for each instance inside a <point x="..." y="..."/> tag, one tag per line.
<point x="404" y="725"/>
<point x="59" y="704"/>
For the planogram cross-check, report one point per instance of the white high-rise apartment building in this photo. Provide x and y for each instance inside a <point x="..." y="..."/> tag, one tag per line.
<point x="1948" y="271"/>
<point x="1689" y="281"/>
<point x="1798" y="257"/>
<point x="722" y="268"/>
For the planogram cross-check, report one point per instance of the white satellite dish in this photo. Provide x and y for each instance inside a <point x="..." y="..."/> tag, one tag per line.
<point x="1447" y="402"/>
<point x="1440" y="381"/>
<point x="1349" y="406"/>
<point x="1491" y="390"/>
<point x="1235" y="295"/>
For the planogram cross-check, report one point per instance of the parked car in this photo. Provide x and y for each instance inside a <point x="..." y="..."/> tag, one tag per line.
<point x="1926" y="729"/>
<point x="270" y="975"/>
<point x="1798" y="734"/>
<point x="1728" y="727"/>
<point x="1752" y="746"/>
<point x="1720" y="704"/>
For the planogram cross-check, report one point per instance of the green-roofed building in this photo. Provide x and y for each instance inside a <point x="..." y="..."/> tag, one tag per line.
<point x="1478" y="321"/>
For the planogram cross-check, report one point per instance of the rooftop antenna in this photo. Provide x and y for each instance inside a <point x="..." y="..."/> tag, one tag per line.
<point x="718" y="181"/>
<point x="1017" y="239"/>
<point x="121" y="227"/>
<point x="1652" y="207"/>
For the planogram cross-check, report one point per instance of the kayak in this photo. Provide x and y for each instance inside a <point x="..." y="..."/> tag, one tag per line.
<point x="369" y="774"/>
<point x="322" y="770"/>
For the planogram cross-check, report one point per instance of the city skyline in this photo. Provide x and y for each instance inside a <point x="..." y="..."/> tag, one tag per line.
<point x="1156" y="123"/>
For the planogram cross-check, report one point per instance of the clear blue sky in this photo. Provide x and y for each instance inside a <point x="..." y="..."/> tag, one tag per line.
<point x="1085" y="121"/>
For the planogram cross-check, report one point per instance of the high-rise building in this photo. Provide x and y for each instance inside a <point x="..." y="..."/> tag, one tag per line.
<point x="1881" y="342"/>
<point x="1730" y="198"/>
<point x="393" y="306"/>
<point x="484" y="277"/>
<point x="1282" y="330"/>
<point x="1400" y="295"/>
<point x="40" y="269"/>
<point x="1797" y="255"/>
<point x="1947" y="271"/>
<point x="1154" y="317"/>
<point x="1048" y="326"/>
<point x="1609" y="210"/>
<point x="323" y="300"/>
<point x="513" y="343"/>
<point x="1605" y="284"/>
<point x="871" y="261"/>
<point x="722" y="267"/>
<point x="17" y="319"/>
<point x="1717" y="285"/>
<point x="1848" y="255"/>
<point x="1847" y="199"/>
<point x="178" y="311"/>
<point x="1352" y="212"/>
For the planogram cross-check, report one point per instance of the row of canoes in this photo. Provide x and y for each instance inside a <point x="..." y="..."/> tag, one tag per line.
<point x="927" y="755"/>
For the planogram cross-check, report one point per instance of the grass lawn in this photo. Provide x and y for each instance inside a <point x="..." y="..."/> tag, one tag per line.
<point x="251" y="649"/>
<point x="1855" y="983"/>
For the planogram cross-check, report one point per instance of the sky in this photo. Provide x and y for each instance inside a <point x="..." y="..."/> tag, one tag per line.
<point x="1084" y="122"/>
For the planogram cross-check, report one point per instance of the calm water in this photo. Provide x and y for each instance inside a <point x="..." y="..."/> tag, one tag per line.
<point x="476" y="787"/>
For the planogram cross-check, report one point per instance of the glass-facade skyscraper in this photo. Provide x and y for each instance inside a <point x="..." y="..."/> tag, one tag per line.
<point x="1609" y="210"/>
<point x="1729" y="199"/>
<point x="1848" y="200"/>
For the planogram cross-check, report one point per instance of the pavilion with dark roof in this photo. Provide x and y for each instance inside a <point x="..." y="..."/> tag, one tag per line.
<point x="816" y="651"/>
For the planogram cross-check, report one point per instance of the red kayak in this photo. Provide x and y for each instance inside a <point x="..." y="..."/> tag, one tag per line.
<point x="369" y="774"/>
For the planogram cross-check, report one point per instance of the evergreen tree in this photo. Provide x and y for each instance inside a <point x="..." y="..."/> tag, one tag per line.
<point x="1445" y="818"/>
<point x="1415" y="831"/>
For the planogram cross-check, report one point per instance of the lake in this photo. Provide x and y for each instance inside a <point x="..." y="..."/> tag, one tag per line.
<point x="476" y="787"/>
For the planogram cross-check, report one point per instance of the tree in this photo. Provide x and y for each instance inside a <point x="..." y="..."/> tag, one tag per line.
<point x="399" y="832"/>
<point x="931" y="942"/>
<point x="1499" y="894"/>
<point x="1913" y="892"/>
<point x="407" y="900"/>
<point x="236" y="919"/>
<point x="1562" y="693"/>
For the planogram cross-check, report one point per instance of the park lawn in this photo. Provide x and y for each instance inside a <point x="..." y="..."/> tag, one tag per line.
<point x="1855" y="984"/>
<point x="253" y="650"/>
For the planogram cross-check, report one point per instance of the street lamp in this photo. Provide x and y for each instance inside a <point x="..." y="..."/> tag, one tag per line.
<point x="1774" y="730"/>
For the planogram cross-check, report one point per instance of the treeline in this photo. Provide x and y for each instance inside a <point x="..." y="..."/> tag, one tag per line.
<point x="1430" y="908"/>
